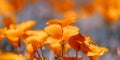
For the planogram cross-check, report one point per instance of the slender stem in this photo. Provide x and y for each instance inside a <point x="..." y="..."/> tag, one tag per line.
<point x="38" y="53"/>
<point x="19" y="47"/>
<point x="62" y="50"/>
<point x="76" y="54"/>
<point x="56" y="56"/>
<point x="42" y="53"/>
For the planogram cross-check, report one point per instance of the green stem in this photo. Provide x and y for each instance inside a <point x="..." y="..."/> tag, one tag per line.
<point x="42" y="53"/>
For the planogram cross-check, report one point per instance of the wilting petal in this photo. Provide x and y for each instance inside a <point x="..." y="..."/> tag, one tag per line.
<point x="31" y="51"/>
<point x="74" y="41"/>
<point x="54" y="30"/>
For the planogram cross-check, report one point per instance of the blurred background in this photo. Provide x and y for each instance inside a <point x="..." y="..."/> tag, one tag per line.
<point x="99" y="19"/>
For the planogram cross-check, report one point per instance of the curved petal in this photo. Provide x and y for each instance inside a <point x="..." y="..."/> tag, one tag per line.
<point x="26" y="25"/>
<point x="37" y="39"/>
<point x="52" y="40"/>
<point x="69" y="31"/>
<point x="54" y="30"/>
<point x="54" y="21"/>
<point x="67" y="22"/>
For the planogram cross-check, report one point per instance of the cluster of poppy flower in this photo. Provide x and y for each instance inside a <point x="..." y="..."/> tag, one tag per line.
<point x="59" y="35"/>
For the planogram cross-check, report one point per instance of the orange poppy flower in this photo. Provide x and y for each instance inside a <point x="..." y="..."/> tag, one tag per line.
<point x="36" y="38"/>
<point x="60" y="34"/>
<point x="26" y="25"/>
<point x="16" y="32"/>
<point x="54" y="30"/>
<point x="6" y="9"/>
<point x="14" y="36"/>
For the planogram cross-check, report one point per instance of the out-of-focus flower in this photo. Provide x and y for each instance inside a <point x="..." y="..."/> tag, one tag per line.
<point x="111" y="15"/>
<point x="7" y="21"/>
<point x="63" y="5"/>
<point x="14" y="36"/>
<point x="26" y="25"/>
<point x="34" y="1"/>
<point x="16" y="32"/>
<point x="70" y="15"/>
<point x="109" y="9"/>
<point x="2" y="33"/>
<point x="6" y="8"/>
<point x="11" y="56"/>
<point x="86" y="10"/>
<point x="17" y="5"/>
